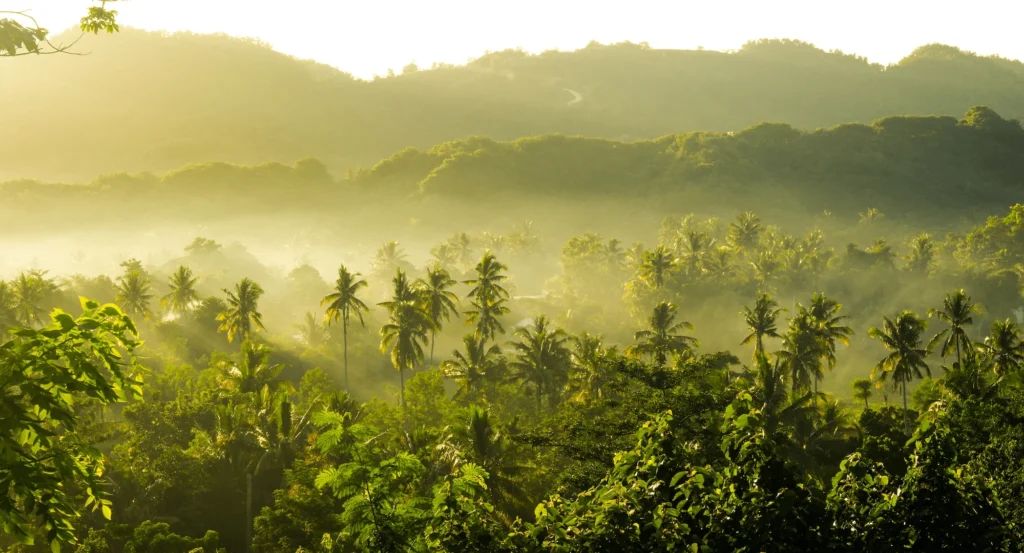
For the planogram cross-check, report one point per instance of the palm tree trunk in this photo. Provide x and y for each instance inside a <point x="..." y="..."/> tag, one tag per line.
<point x="959" y="361"/>
<point x="401" y="376"/>
<point x="906" y="423"/>
<point x="866" y="403"/>
<point x="344" y="333"/>
<point x="433" y="334"/>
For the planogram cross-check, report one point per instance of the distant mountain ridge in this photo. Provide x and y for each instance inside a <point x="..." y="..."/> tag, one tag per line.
<point x="155" y="102"/>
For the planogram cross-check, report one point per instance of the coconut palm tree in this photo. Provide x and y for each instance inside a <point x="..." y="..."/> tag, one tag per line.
<point x="390" y="257"/>
<point x="29" y="288"/>
<point x="312" y="331"/>
<point x="862" y="390"/>
<point x="242" y="317"/>
<point x="591" y="369"/>
<point x="922" y="254"/>
<point x="462" y="247"/>
<point x="902" y="336"/>
<point x="801" y="351"/>
<point x="8" y="308"/>
<point x="663" y="337"/>
<point x="475" y="368"/>
<point x="745" y="231"/>
<point x="405" y="331"/>
<point x="957" y="311"/>
<point x="437" y="300"/>
<point x="183" y="296"/>
<point x="761" y="320"/>
<point x="656" y="267"/>
<point x="614" y="256"/>
<point x="696" y="244"/>
<point x="1003" y="347"/>
<point x="480" y="443"/>
<point x="133" y="293"/>
<point x="342" y="303"/>
<point x="830" y="328"/>
<point x="489" y="297"/>
<point x="541" y="361"/>
<point x="253" y="372"/>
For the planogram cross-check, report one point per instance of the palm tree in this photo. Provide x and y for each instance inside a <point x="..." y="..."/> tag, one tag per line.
<point x="183" y="296"/>
<point x="462" y="247"/>
<point x="473" y="369"/>
<point x="438" y="301"/>
<point x="390" y="257"/>
<point x="922" y="253"/>
<point x="444" y="256"/>
<point x="253" y="373"/>
<point x="656" y="267"/>
<point x="745" y="231"/>
<point x="906" y="362"/>
<point x="133" y="293"/>
<point x="1003" y="347"/>
<point x="312" y="331"/>
<point x="29" y="289"/>
<point x="761" y="320"/>
<point x="241" y="318"/>
<point x="802" y="351"/>
<point x="614" y="255"/>
<point x="480" y="443"/>
<point x="956" y="311"/>
<point x="591" y="369"/>
<point x="696" y="244"/>
<point x="403" y="291"/>
<point x="663" y="336"/>
<point x="862" y="390"/>
<point x="488" y="296"/>
<point x="8" y="308"/>
<point x="541" y="360"/>
<point x="830" y="328"/>
<point x="406" y="330"/>
<point x="342" y="304"/>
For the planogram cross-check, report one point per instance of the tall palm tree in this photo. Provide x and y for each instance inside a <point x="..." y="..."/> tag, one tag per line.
<point x="462" y="247"/>
<point x="8" y="308"/>
<point x="614" y="255"/>
<point x="541" y="361"/>
<point x="696" y="244"/>
<point x="745" y="231"/>
<point x="390" y="257"/>
<point x="902" y="336"/>
<point x="475" y="368"/>
<point x="761" y="320"/>
<point x="830" y="328"/>
<point x="342" y="303"/>
<point x="133" y="293"/>
<point x="312" y="331"/>
<point x="862" y="390"/>
<point x="253" y="372"/>
<point x="957" y="311"/>
<point x="1003" y="347"/>
<point x="29" y="288"/>
<point x="438" y="301"/>
<point x="656" y="267"/>
<point x="403" y="291"/>
<point x="489" y="297"/>
<point x="663" y="337"/>
<point x="242" y="317"/>
<point x="802" y="351"/>
<point x="405" y="331"/>
<point x="922" y="253"/>
<point x="183" y="296"/>
<point x="480" y="443"/>
<point x="591" y="367"/>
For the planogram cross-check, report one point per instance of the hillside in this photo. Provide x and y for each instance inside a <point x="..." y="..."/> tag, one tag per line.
<point x="936" y="171"/>
<point x="155" y="102"/>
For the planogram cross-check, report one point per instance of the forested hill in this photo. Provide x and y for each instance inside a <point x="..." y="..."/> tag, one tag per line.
<point x="932" y="169"/>
<point x="156" y="102"/>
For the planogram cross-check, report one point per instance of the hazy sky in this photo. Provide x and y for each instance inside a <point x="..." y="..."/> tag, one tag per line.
<point x="367" y="37"/>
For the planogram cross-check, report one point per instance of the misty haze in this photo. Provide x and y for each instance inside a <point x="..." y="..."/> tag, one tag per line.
<point x="623" y="296"/>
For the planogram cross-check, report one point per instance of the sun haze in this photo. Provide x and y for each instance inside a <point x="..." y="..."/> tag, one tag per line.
<point x="369" y="37"/>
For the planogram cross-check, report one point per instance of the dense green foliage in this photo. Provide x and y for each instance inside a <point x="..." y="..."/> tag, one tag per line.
<point x="536" y="433"/>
